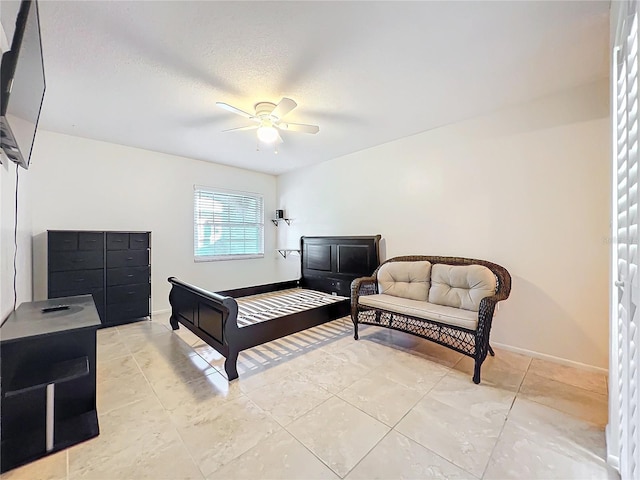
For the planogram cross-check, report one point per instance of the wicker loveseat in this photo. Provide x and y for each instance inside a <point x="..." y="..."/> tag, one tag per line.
<point x="448" y="300"/>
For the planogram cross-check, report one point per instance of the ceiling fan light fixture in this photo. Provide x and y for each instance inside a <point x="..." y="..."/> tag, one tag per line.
<point x="267" y="121"/>
<point x="267" y="134"/>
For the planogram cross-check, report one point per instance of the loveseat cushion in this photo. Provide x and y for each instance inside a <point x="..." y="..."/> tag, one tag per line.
<point x="405" y="279"/>
<point x="461" y="286"/>
<point x="421" y="309"/>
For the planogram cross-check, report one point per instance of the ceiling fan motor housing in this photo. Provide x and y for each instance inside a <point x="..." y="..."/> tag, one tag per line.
<point x="264" y="109"/>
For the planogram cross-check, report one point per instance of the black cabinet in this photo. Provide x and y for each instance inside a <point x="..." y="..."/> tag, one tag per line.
<point x="114" y="267"/>
<point x="47" y="379"/>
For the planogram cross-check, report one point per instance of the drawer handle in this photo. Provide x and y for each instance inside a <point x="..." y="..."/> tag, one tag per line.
<point x="129" y="258"/>
<point x="131" y="293"/>
<point x="91" y="241"/>
<point x="118" y="240"/>
<point x="130" y="275"/>
<point x="79" y="279"/>
<point x="78" y="260"/>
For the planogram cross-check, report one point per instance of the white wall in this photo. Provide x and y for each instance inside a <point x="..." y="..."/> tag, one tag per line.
<point x="527" y="188"/>
<point x="89" y="185"/>
<point x="7" y="244"/>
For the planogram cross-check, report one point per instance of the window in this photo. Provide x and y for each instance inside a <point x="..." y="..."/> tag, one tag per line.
<point x="227" y="225"/>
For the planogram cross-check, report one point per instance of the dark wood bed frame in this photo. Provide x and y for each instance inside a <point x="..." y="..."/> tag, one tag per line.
<point x="328" y="264"/>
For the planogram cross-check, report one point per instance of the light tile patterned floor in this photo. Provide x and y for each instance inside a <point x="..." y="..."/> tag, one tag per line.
<point x="320" y="405"/>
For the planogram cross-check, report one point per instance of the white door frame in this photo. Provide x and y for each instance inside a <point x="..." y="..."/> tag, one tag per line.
<point x="623" y="429"/>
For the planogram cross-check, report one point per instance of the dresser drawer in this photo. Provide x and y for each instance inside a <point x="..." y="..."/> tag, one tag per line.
<point x="76" y="280"/>
<point x="127" y="275"/>
<point x="97" y="293"/>
<point x="117" y="241"/>
<point x="138" y="241"/>
<point x="128" y="310"/>
<point x="127" y="258"/>
<point x="91" y="241"/>
<point x="129" y="293"/>
<point x="63" y="241"/>
<point x="76" y="260"/>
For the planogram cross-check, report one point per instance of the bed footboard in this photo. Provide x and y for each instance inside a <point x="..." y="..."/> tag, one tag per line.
<point x="210" y="316"/>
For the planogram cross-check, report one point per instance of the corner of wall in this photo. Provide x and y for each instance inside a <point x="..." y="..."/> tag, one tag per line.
<point x="12" y="234"/>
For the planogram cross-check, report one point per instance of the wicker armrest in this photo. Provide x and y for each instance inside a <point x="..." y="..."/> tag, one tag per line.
<point x="363" y="286"/>
<point x="486" y="311"/>
<point x="488" y="304"/>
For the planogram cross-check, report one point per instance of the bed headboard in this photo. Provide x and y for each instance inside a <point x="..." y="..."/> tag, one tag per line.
<point x="330" y="264"/>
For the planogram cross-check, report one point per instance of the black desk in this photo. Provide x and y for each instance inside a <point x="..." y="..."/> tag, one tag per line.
<point x="47" y="379"/>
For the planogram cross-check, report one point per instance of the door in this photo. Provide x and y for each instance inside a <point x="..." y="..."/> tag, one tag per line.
<point x="623" y="431"/>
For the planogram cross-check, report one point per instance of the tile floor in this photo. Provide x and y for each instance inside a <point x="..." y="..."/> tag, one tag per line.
<point x="320" y="405"/>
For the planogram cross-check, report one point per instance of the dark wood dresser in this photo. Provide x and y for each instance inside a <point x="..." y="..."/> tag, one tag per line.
<point x="114" y="267"/>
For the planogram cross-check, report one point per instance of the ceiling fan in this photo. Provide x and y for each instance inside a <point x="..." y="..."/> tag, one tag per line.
<point x="268" y="120"/>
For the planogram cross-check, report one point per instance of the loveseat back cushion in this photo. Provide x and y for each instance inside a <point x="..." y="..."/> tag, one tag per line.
<point x="405" y="279"/>
<point x="461" y="286"/>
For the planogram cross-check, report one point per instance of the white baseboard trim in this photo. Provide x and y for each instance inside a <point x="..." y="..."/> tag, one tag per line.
<point x="612" y="459"/>
<point x="160" y="312"/>
<point x="551" y="358"/>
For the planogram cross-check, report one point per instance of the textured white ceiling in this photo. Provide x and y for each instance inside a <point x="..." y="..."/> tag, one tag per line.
<point x="148" y="74"/>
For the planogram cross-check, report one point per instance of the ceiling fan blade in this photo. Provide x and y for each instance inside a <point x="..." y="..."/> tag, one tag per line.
<point x="279" y="140"/>
<point x="249" y="127"/>
<point x="299" y="127"/>
<point x="235" y="110"/>
<point x="284" y="106"/>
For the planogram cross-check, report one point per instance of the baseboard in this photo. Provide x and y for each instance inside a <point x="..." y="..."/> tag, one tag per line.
<point x="160" y="312"/>
<point x="612" y="460"/>
<point x="551" y="358"/>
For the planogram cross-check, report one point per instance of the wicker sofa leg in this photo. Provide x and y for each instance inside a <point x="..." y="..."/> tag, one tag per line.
<point x="476" y="371"/>
<point x="355" y="327"/>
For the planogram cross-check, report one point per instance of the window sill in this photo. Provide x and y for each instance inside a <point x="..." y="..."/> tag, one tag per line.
<point x="227" y="257"/>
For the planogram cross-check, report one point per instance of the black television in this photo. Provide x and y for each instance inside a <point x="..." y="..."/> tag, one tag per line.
<point x="22" y="86"/>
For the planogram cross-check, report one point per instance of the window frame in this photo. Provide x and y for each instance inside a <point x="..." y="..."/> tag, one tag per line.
<point x="232" y="256"/>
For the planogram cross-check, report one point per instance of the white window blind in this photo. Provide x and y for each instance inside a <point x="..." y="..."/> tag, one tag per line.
<point x="624" y="418"/>
<point x="227" y="225"/>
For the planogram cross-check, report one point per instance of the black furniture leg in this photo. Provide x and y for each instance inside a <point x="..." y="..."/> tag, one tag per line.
<point x="491" y="352"/>
<point x="476" y="372"/>
<point x="354" y="319"/>
<point x="174" y="323"/>
<point x="230" y="365"/>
